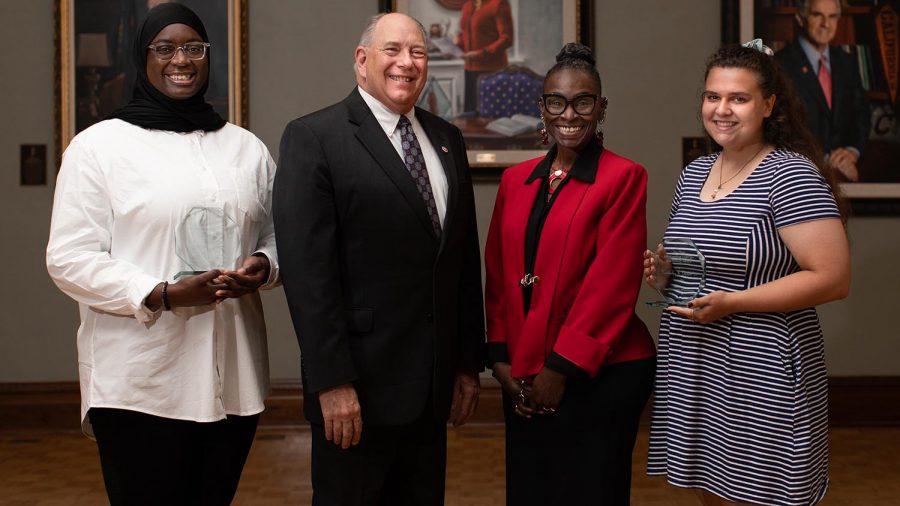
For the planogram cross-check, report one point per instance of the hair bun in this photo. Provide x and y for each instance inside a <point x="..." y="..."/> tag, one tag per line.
<point x="576" y="51"/>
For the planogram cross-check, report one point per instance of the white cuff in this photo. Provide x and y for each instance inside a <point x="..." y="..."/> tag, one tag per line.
<point x="139" y="290"/>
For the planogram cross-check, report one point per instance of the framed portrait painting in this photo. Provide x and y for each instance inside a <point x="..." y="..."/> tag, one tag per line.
<point x="863" y="77"/>
<point x="94" y="70"/>
<point x="486" y="64"/>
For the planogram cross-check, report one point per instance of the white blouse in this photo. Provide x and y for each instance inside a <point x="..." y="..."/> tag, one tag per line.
<point x="120" y="195"/>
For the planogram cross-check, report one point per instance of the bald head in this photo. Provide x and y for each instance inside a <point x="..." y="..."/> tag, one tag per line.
<point x="368" y="34"/>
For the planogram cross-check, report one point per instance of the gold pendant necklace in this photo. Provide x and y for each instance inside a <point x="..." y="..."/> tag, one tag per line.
<point x="722" y="169"/>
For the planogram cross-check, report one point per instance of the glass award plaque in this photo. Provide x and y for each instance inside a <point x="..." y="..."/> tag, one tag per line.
<point x="206" y="238"/>
<point x="680" y="273"/>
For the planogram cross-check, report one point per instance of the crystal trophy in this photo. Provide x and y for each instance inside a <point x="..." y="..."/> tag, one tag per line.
<point x="680" y="273"/>
<point x="207" y="238"/>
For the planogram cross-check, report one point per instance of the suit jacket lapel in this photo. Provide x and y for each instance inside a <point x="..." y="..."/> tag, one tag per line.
<point x="551" y="248"/>
<point x="515" y="228"/>
<point x="810" y="79"/>
<point x="371" y="135"/>
<point x="837" y="69"/>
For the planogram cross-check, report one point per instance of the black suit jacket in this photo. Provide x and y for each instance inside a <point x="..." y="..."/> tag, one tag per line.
<point x="847" y="122"/>
<point x="376" y="298"/>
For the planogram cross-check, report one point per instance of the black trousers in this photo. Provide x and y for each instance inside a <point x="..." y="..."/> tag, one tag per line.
<point x="471" y="89"/>
<point x="149" y="460"/>
<point x="580" y="455"/>
<point x="391" y="466"/>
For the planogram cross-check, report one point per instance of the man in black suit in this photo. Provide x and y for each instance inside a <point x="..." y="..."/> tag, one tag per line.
<point x="827" y="80"/>
<point x="375" y="220"/>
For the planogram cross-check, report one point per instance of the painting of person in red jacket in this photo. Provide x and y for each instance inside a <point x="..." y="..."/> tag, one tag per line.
<point x="486" y="32"/>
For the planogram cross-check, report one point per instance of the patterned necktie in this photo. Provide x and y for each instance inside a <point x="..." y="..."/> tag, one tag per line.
<point x="825" y="80"/>
<point x="415" y="163"/>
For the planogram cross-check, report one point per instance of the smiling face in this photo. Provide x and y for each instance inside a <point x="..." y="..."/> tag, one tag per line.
<point x="569" y="129"/>
<point x="820" y="23"/>
<point x="734" y="107"/>
<point x="180" y="77"/>
<point x="394" y="67"/>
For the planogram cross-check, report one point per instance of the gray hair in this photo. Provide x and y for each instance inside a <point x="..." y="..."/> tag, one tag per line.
<point x="806" y="5"/>
<point x="368" y="34"/>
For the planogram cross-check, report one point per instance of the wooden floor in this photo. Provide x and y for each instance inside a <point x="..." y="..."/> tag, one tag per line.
<point x="62" y="469"/>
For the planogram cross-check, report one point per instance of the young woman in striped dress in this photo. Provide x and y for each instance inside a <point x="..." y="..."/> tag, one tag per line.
<point x="740" y="413"/>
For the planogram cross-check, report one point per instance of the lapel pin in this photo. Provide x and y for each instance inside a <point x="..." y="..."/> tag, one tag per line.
<point x="805" y="69"/>
<point x="444" y="149"/>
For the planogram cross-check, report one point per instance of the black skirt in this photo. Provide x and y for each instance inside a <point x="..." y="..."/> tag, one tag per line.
<point x="580" y="455"/>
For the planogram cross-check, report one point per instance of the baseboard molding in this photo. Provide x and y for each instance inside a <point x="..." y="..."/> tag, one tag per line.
<point x="864" y="401"/>
<point x="853" y="402"/>
<point x="42" y="406"/>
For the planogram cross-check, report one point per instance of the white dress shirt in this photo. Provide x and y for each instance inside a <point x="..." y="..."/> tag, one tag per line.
<point x="120" y="194"/>
<point x="436" y="176"/>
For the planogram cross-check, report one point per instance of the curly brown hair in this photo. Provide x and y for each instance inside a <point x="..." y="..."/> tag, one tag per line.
<point x="785" y="127"/>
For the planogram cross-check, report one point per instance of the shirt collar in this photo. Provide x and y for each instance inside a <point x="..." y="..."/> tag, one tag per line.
<point x="812" y="54"/>
<point x="584" y="168"/>
<point x="387" y="118"/>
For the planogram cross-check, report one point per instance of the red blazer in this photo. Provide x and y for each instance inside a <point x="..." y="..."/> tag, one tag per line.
<point x="588" y="260"/>
<point x="488" y="29"/>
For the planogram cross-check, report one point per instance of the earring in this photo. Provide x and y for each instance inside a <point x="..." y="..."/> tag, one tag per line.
<point x="599" y="133"/>
<point x="545" y="137"/>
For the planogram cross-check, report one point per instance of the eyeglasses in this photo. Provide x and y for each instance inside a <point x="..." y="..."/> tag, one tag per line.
<point x="193" y="50"/>
<point x="556" y="104"/>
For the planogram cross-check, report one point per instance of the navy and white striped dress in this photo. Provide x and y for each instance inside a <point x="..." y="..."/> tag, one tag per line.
<point x="741" y="404"/>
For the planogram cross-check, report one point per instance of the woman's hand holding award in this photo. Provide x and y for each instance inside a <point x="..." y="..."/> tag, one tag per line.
<point x="677" y="270"/>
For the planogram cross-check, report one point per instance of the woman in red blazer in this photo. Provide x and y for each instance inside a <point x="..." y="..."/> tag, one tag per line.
<point x="563" y="275"/>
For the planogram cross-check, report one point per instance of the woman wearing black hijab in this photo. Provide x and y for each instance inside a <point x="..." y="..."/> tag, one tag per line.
<point x="173" y="363"/>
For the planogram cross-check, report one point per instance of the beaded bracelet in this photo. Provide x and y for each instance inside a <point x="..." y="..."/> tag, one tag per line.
<point x="165" y="296"/>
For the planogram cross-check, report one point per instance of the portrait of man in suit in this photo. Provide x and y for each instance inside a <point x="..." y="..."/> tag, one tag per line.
<point x="374" y="214"/>
<point x="827" y="80"/>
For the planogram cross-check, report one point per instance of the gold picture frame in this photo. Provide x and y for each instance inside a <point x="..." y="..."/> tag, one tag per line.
<point x="93" y="70"/>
